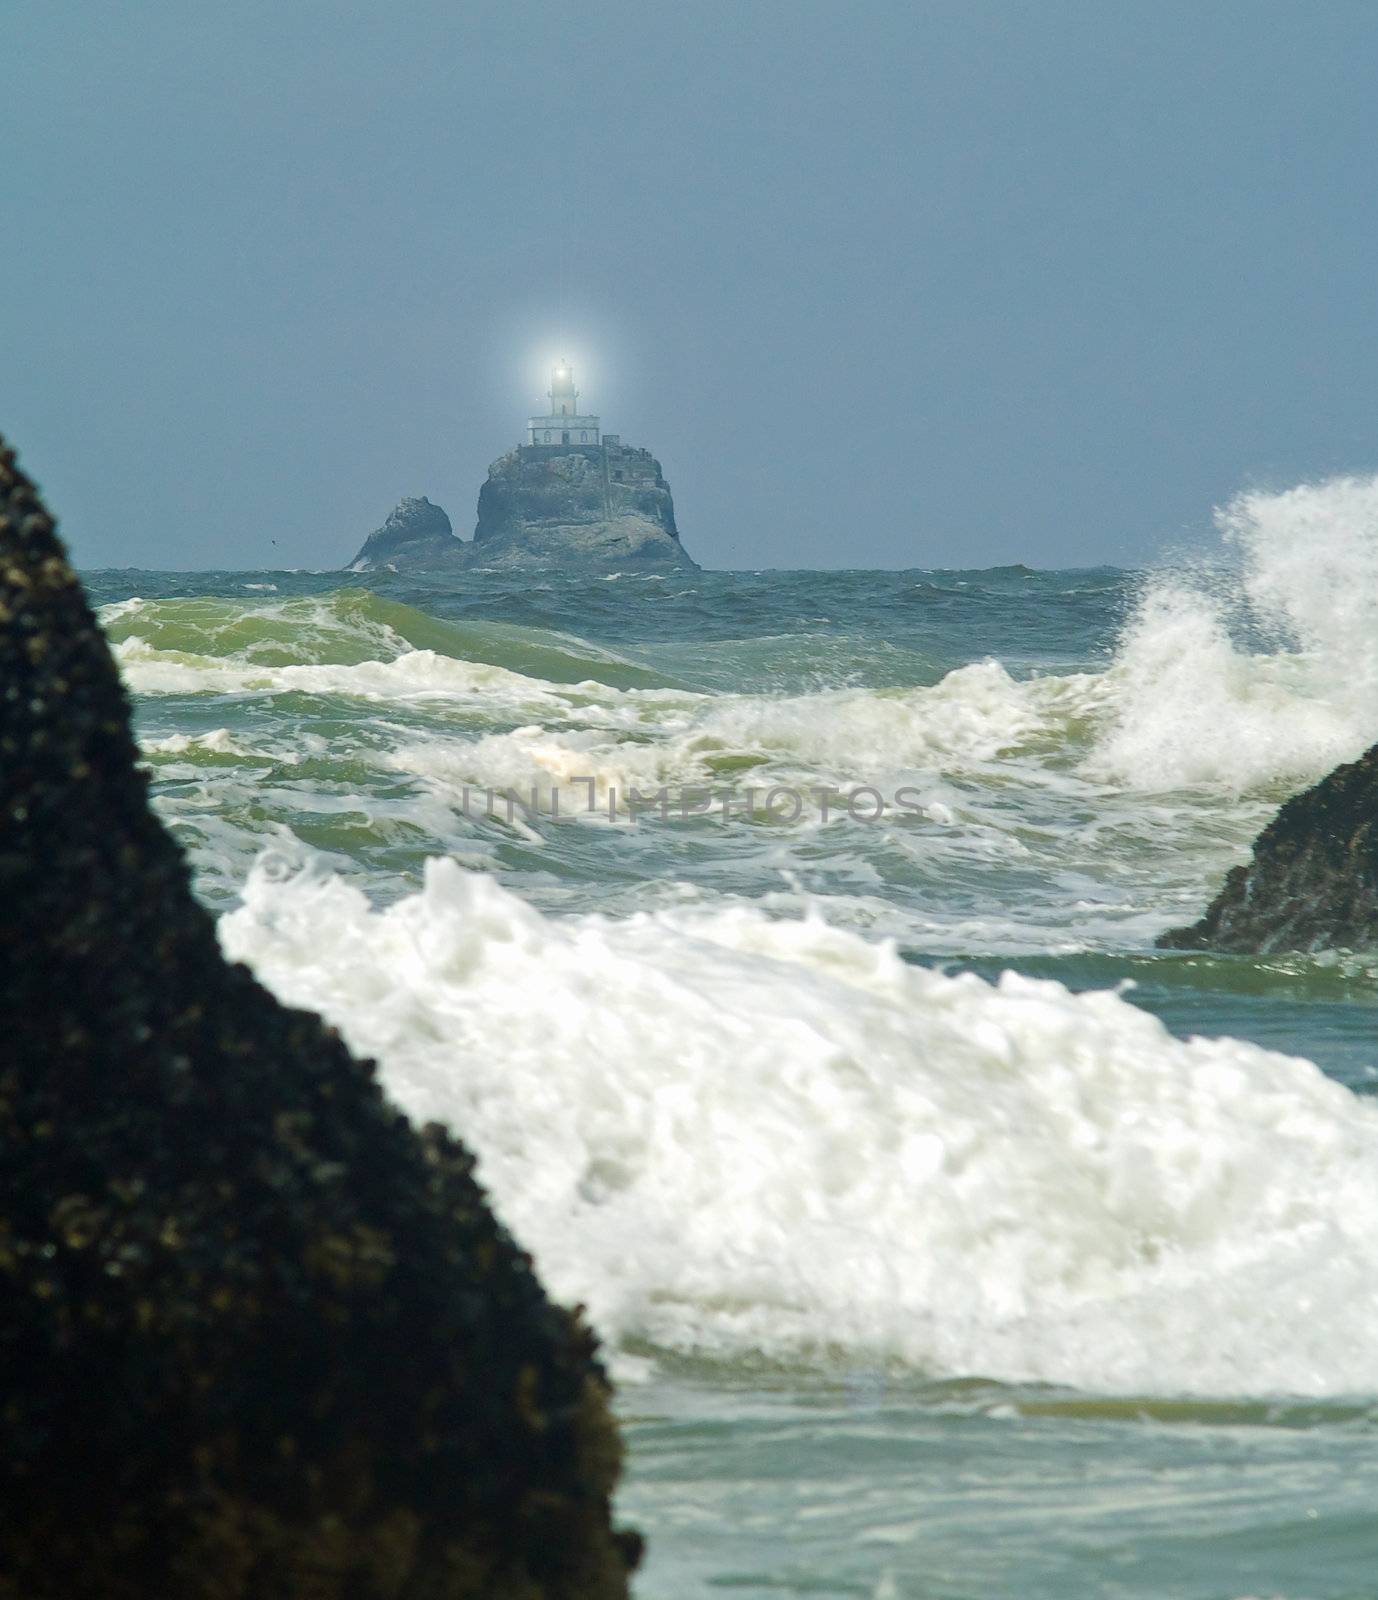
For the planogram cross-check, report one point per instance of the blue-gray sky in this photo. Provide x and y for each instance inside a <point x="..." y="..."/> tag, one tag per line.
<point x="947" y="283"/>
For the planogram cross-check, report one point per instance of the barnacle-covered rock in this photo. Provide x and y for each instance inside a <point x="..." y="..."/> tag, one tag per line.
<point x="258" y="1336"/>
<point x="1313" y="881"/>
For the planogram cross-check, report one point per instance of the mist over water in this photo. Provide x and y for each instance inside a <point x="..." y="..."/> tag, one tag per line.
<point x="818" y="1096"/>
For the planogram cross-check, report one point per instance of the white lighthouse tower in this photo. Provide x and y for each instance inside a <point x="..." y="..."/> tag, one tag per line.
<point x="564" y="425"/>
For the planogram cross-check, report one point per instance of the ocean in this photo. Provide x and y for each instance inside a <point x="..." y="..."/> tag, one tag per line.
<point x="782" y="943"/>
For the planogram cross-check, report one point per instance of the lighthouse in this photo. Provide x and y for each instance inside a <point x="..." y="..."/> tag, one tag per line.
<point x="564" y="425"/>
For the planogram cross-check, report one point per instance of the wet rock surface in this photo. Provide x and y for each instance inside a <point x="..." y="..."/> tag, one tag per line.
<point x="258" y="1336"/>
<point x="416" y="533"/>
<point x="600" y="506"/>
<point x="1312" y="883"/>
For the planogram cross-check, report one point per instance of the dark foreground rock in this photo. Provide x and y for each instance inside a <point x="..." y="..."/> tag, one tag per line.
<point x="416" y="534"/>
<point x="1313" y="881"/>
<point x="258" y="1336"/>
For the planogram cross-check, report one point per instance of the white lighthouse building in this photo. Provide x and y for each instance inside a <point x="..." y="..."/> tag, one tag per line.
<point x="564" y="425"/>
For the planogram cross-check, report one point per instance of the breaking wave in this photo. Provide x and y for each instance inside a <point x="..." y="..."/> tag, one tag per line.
<point x="744" y="1136"/>
<point x="1251" y="679"/>
<point x="737" y="1128"/>
<point x="1111" y="791"/>
<point x="1262" y="676"/>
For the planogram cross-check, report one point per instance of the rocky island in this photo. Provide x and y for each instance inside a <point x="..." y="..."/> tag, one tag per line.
<point x="569" y="496"/>
<point x="1313" y="881"/>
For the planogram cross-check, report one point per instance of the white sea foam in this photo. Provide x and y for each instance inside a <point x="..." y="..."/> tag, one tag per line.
<point x="625" y="740"/>
<point x="410" y="675"/>
<point x="734" y="1134"/>
<point x="219" y="742"/>
<point x="973" y="715"/>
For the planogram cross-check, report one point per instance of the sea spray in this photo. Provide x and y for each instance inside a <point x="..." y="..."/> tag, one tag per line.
<point x="1259" y="676"/>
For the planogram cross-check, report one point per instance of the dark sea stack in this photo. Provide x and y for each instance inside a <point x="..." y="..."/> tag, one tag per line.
<point x="603" y="506"/>
<point x="259" y="1338"/>
<point x="416" y="534"/>
<point x="570" y="497"/>
<point x="1313" y="881"/>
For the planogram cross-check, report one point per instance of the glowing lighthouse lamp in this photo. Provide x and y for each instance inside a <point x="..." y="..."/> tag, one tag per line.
<point x="564" y="425"/>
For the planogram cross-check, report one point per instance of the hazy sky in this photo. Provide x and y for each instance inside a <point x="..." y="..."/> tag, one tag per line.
<point x="910" y="284"/>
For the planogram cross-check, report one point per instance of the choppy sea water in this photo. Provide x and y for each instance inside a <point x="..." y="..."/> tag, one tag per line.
<point x="945" y="1238"/>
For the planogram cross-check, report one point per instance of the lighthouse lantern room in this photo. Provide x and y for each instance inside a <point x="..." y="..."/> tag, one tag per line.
<point x="564" y="425"/>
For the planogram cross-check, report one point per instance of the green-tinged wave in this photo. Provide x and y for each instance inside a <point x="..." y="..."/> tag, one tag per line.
<point x="350" y="626"/>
